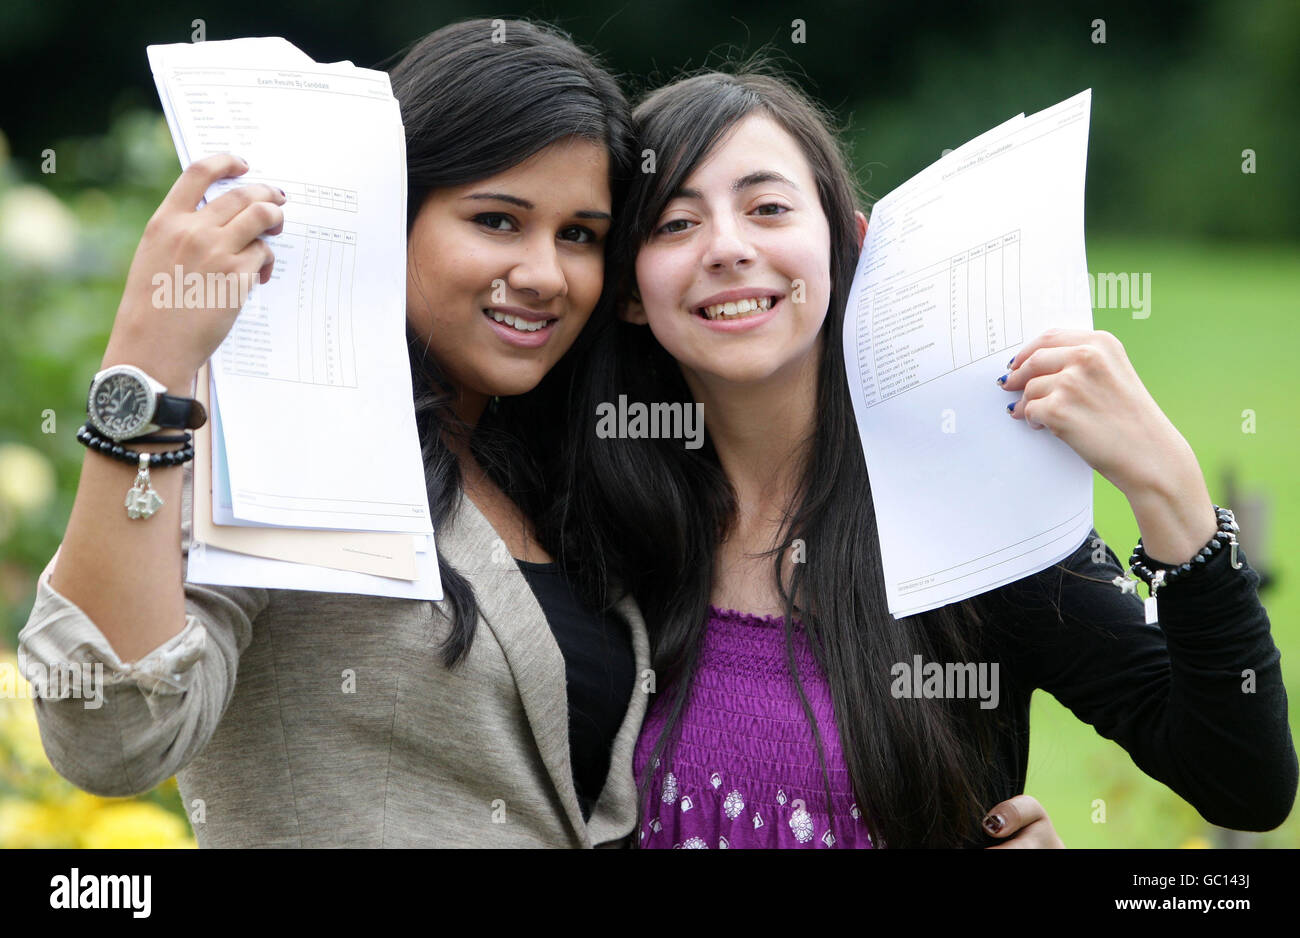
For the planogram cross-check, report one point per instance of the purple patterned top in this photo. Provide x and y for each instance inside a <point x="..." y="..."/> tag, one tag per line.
<point x="745" y="772"/>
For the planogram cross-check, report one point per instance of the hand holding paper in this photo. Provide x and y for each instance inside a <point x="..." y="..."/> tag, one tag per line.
<point x="962" y="265"/>
<point x="313" y="425"/>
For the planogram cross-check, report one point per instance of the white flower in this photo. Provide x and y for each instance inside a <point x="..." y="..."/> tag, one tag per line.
<point x="733" y="804"/>
<point x="36" y="229"/>
<point x="695" y="843"/>
<point x="670" y="788"/>
<point x="802" y="825"/>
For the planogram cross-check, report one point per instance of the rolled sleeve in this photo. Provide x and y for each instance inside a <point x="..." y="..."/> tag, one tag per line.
<point x="60" y="636"/>
<point x="140" y="722"/>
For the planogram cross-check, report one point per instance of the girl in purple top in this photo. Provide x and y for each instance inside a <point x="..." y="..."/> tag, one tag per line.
<point x="753" y="552"/>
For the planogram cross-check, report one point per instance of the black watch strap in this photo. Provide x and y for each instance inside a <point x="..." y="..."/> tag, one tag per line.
<point x="179" y="412"/>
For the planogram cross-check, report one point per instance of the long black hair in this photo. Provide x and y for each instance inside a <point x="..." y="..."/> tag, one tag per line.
<point x="478" y="97"/>
<point x="653" y="513"/>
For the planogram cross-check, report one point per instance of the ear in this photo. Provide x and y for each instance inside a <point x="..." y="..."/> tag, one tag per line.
<point x="631" y="310"/>
<point x="862" y="228"/>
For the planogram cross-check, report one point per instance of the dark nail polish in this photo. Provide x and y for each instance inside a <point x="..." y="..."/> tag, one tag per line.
<point x="1013" y="358"/>
<point x="1002" y="380"/>
<point x="1010" y="408"/>
<point x="993" y="823"/>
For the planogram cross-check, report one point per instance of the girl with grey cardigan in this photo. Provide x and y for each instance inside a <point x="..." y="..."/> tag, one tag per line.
<point x="468" y="722"/>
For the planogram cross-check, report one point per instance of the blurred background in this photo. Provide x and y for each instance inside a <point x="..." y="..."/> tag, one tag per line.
<point x="1191" y="179"/>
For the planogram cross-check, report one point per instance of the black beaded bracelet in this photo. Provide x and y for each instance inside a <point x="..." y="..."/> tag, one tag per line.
<point x="1156" y="574"/>
<point x="142" y="500"/>
<point x="1146" y="568"/>
<point x="87" y="436"/>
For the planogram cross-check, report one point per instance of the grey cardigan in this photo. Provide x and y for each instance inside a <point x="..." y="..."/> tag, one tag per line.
<point x="307" y="719"/>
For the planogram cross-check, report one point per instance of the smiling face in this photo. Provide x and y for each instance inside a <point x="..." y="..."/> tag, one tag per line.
<point x="503" y="273"/>
<point x="735" y="279"/>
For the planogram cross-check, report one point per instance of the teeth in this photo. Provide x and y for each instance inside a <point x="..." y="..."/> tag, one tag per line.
<point x="517" y="322"/>
<point x="738" y="307"/>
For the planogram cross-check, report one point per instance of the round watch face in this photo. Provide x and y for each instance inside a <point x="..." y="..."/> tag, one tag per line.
<point x="121" y="405"/>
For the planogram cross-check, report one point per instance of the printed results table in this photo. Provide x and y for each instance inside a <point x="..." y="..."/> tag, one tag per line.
<point x="975" y="294"/>
<point x="319" y="349"/>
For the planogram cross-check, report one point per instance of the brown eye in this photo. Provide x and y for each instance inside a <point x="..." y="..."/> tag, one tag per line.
<point x="667" y="227"/>
<point x="492" y="220"/>
<point x="579" y="234"/>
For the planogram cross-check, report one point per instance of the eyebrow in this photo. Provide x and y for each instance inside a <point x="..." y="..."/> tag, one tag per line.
<point x="529" y="206"/>
<point x="744" y="182"/>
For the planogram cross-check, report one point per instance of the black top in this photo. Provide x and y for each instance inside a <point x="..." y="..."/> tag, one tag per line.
<point x="1173" y="694"/>
<point x="601" y="670"/>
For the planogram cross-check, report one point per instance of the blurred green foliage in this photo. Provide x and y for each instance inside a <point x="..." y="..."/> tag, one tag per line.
<point x="63" y="263"/>
<point x="1180" y="87"/>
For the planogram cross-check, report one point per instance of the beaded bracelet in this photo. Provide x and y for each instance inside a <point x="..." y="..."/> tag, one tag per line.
<point x="142" y="500"/>
<point x="1156" y="574"/>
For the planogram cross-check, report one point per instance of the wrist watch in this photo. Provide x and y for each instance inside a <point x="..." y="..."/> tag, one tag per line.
<point x="125" y="402"/>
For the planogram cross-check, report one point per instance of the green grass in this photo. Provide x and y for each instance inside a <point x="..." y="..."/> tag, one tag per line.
<point x="1220" y="339"/>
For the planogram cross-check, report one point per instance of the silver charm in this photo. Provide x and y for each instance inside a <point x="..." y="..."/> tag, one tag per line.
<point x="1157" y="581"/>
<point x="1126" y="583"/>
<point x="1232" y="542"/>
<point x="142" y="500"/>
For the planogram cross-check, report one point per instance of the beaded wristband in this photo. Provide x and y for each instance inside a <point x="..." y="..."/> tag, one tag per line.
<point x="88" y="437"/>
<point x="1157" y="575"/>
<point x="1147" y="568"/>
<point x="142" y="500"/>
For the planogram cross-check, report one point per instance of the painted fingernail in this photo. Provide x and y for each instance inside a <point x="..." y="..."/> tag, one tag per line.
<point x="1010" y="408"/>
<point x="993" y="823"/>
<point x="1013" y="358"/>
<point x="1002" y="380"/>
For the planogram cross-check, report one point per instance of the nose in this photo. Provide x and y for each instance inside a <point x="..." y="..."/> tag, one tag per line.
<point x="538" y="271"/>
<point x="727" y="246"/>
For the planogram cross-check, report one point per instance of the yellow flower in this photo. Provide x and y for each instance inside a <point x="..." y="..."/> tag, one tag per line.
<point x="135" y="825"/>
<point x="28" y="824"/>
<point x="54" y="813"/>
<point x="77" y="808"/>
